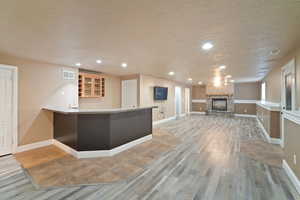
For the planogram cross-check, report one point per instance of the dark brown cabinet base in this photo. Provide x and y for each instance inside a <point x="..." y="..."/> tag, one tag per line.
<point x="101" y="131"/>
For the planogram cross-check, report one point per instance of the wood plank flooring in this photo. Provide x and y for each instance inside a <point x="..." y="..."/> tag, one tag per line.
<point x="214" y="161"/>
<point x="50" y="166"/>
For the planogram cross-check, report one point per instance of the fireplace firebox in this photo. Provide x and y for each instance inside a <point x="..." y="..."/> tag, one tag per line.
<point x="219" y="104"/>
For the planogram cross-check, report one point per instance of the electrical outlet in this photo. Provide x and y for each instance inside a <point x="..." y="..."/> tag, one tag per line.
<point x="245" y="110"/>
<point x="295" y="159"/>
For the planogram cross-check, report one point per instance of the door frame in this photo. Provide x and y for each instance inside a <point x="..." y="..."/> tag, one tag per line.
<point x="180" y="103"/>
<point x="187" y="100"/>
<point x="289" y="68"/>
<point x="14" y="70"/>
<point x="123" y="93"/>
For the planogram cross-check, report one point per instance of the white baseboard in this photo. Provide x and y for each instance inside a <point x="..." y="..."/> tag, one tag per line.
<point x="31" y="146"/>
<point x="244" y="115"/>
<point x="269" y="139"/>
<point x="112" y="152"/>
<point x="292" y="176"/>
<point x="163" y="120"/>
<point x="275" y="141"/>
<point x="198" y="113"/>
<point x="100" y="153"/>
<point x="267" y="136"/>
<point x="65" y="148"/>
<point x="183" y="114"/>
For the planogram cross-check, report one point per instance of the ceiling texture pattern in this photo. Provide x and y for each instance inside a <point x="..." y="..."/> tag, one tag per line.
<point x="153" y="36"/>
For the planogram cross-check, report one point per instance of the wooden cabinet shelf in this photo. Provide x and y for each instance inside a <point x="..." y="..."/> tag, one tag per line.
<point x="91" y="85"/>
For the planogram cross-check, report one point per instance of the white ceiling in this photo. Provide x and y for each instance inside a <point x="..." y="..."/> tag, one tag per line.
<point x="153" y="36"/>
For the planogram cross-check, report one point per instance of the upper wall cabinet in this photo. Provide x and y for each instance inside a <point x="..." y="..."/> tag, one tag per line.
<point x="91" y="85"/>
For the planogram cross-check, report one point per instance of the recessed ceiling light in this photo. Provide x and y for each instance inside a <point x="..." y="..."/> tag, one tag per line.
<point x="171" y="73"/>
<point x="124" y="65"/>
<point x="228" y="76"/>
<point x="99" y="61"/>
<point x="207" y="46"/>
<point x="78" y="64"/>
<point x="232" y="81"/>
<point x="190" y="79"/>
<point x="200" y="83"/>
<point x="222" y="67"/>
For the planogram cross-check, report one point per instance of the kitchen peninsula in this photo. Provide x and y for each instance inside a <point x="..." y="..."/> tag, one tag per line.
<point x="101" y="132"/>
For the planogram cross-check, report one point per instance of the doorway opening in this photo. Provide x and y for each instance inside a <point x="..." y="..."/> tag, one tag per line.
<point x="177" y="102"/>
<point x="187" y="100"/>
<point x="129" y="93"/>
<point x="288" y="92"/>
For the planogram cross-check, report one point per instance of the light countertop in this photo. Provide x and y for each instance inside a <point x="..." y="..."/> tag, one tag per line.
<point x="293" y="113"/>
<point x="269" y="105"/>
<point x="94" y="111"/>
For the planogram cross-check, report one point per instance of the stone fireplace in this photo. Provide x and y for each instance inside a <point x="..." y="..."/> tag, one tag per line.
<point x="219" y="99"/>
<point x="220" y="103"/>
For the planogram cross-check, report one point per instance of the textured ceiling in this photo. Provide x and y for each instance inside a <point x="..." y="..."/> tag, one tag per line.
<point x="153" y="36"/>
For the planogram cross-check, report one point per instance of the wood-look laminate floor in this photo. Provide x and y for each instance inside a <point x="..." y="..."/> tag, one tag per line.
<point x="218" y="158"/>
<point x="50" y="166"/>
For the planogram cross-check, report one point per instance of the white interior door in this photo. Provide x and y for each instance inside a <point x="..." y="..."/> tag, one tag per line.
<point x="177" y="101"/>
<point x="288" y="92"/>
<point x="187" y="100"/>
<point x="129" y="93"/>
<point x="6" y="110"/>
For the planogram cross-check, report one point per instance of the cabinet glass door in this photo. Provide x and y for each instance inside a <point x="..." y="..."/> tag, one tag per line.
<point x="88" y="83"/>
<point x="97" y="87"/>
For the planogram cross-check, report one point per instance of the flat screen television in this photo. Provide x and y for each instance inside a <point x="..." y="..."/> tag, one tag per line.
<point x="160" y="93"/>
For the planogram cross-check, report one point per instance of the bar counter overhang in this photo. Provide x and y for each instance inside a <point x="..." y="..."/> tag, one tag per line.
<point x="101" y="132"/>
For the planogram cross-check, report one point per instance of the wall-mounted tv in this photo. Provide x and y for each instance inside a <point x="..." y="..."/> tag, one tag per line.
<point x="160" y="93"/>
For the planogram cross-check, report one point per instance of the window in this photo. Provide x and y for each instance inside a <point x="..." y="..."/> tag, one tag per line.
<point x="263" y="91"/>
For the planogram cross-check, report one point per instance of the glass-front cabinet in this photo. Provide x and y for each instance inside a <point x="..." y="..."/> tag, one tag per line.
<point x="91" y="85"/>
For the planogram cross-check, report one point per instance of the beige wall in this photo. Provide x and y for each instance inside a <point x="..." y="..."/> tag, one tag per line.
<point x="273" y="88"/>
<point x="270" y="120"/>
<point x="241" y="91"/>
<point x="199" y="92"/>
<point x="273" y="93"/>
<point x="39" y="84"/>
<point x="112" y="98"/>
<point x="291" y="145"/>
<point x="166" y="108"/>
<point x="247" y="91"/>
<point x="273" y="79"/>
<point x="199" y="107"/>
<point x="245" y="108"/>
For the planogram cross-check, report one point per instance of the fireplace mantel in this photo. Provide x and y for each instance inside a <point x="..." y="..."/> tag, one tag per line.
<point x="219" y="95"/>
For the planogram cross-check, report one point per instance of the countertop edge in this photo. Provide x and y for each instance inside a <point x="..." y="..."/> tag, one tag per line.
<point x="269" y="105"/>
<point x="95" y="111"/>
